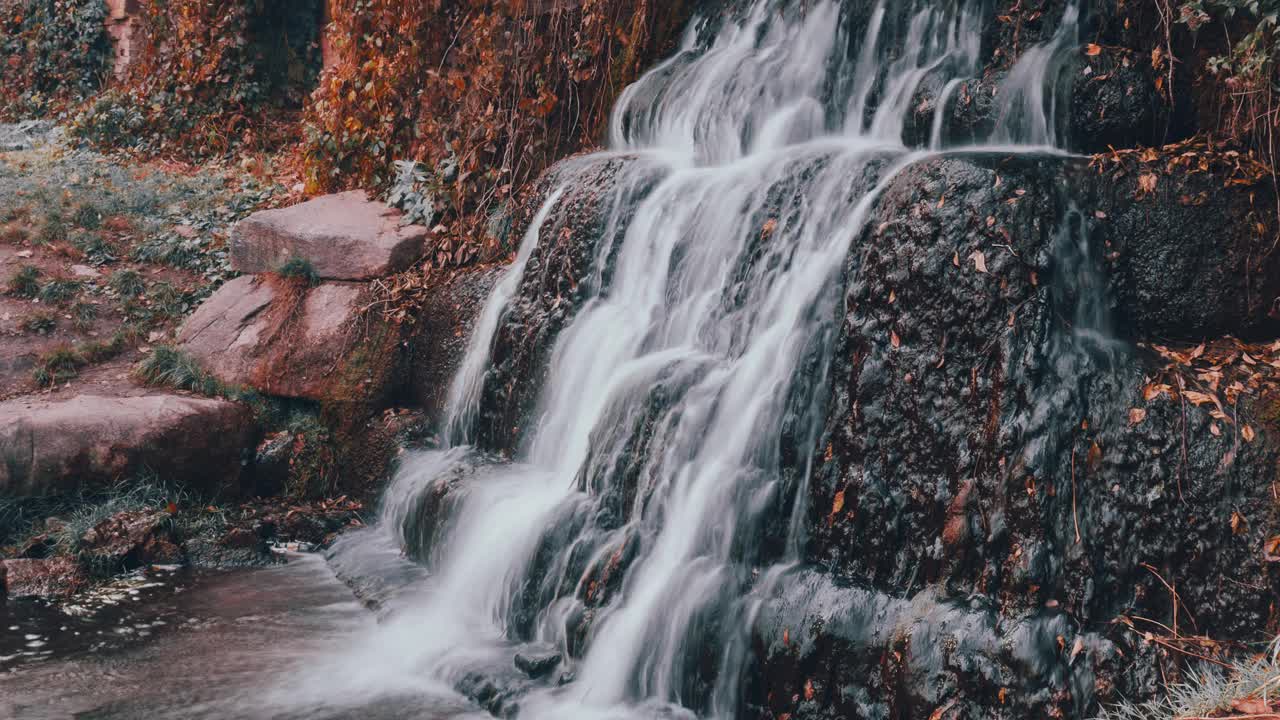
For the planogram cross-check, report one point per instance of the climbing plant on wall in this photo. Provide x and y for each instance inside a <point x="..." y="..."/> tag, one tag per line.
<point x="484" y="94"/>
<point x="53" y="53"/>
<point x="210" y="76"/>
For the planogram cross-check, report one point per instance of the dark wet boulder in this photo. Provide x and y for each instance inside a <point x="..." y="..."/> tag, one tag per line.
<point x="129" y="540"/>
<point x="995" y="440"/>
<point x="537" y="662"/>
<point x="47" y="578"/>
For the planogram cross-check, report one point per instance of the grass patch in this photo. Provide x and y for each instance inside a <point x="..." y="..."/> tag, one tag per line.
<point x="41" y="323"/>
<point x="128" y="283"/>
<point x="1212" y="693"/>
<point x="97" y="250"/>
<point x="25" y="282"/>
<point x="167" y="366"/>
<point x="13" y="234"/>
<point x="59" y="365"/>
<point x="83" y="314"/>
<point x="87" y="216"/>
<point x="173" y="250"/>
<point x="167" y="301"/>
<point x="53" y="230"/>
<point x="60" y="290"/>
<point x="64" y="362"/>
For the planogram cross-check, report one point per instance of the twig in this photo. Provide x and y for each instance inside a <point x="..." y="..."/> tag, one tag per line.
<point x="1075" y="516"/>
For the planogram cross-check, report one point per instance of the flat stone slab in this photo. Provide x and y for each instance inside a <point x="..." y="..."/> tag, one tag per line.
<point x="286" y="341"/>
<point x="345" y="236"/>
<point x="56" y="446"/>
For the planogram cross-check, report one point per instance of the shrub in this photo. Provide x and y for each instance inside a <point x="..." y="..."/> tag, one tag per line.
<point x="487" y="95"/>
<point x="54" y="54"/>
<point x="1248" y="71"/>
<point x="313" y="462"/>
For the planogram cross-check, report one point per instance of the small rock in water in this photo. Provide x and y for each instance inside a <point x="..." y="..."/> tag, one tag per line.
<point x="537" y="664"/>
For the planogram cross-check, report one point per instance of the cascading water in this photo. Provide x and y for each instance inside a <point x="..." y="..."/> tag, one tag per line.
<point x="636" y="532"/>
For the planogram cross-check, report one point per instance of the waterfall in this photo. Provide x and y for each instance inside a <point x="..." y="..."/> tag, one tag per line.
<point x="661" y="491"/>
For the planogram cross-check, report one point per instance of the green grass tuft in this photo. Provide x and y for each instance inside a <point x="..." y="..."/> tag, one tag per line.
<point x="41" y="323"/>
<point x="128" y="283"/>
<point x="299" y="268"/>
<point x="25" y="282"/>
<point x="167" y="366"/>
<point x="59" y="291"/>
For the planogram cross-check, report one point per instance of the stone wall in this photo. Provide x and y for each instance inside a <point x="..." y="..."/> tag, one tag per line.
<point x="121" y="26"/>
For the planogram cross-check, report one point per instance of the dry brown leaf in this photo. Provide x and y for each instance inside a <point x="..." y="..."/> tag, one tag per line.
<point x="1153" y="391"/>
<point x="1092" y="49"/>
<point x="1137" y="415"/>
<point x="979" y="261"/>
<point x="1253" y="706"/>
<point x="1246" y="432"/>
<point x="1198" y="398"/>
<point x="894" y="339"/>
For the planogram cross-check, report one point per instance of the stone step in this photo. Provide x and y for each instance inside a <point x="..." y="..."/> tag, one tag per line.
<point x="346" y="236"/>
<point x="59" y="446"/>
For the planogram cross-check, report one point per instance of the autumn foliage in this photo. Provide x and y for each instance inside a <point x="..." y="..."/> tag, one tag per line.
<point x="484" y="93"/>
<point x="53" y="54"/>
<point x="210" y="76"/>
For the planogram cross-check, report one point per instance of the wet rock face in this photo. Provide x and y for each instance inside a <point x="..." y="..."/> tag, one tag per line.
<point x="557" y="280"/>
<point x="442" y="331"/>
<point x="49" y="447"/>
<point x="987" y="505"/>
<point x="1193" y="248"/>
<point x="1108" y="101"/>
